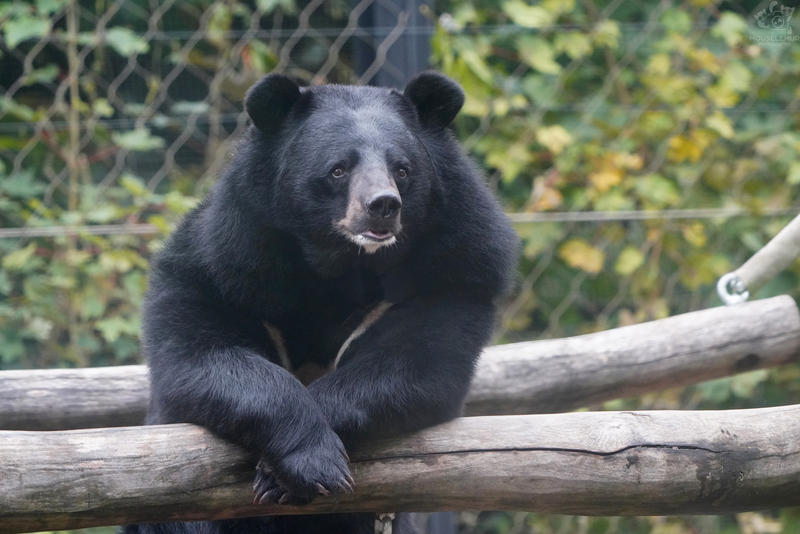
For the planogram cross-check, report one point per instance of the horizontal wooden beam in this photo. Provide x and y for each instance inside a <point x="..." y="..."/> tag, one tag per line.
<point x="586" y="463"/>
<point x="534" y="377"/>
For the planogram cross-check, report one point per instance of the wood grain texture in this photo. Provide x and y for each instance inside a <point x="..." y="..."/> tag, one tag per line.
<point x="587" y="463"/>
<point x="533" y="377"/>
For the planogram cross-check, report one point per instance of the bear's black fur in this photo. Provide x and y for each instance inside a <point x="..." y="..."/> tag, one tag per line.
<point x="343" y="207"/>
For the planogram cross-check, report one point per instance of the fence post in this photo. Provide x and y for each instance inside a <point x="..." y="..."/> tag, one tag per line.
<point x="408" y="55"/>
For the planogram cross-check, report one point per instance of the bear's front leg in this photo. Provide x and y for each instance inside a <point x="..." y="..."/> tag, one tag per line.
<point x="206" y="367"/>
<point x="410" y="369"/>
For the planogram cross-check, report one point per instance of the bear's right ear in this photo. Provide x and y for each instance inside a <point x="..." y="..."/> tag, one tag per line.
<point x="269" y="101"/>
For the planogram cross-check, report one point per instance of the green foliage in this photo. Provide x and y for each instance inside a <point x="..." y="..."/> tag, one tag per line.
<point x="570" y="106"/>
<point x="584" y="106"/>
<point x="668" y="107"/>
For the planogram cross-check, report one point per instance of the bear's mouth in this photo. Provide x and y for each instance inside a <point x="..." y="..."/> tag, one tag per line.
<point x="370" y="240"/>
<point x="378" y="236"/>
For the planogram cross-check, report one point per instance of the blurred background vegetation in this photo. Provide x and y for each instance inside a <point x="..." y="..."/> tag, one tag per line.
<point x="643" y="149"/>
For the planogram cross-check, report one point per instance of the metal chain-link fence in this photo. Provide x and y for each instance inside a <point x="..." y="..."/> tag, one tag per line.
<point x="642" y="150"/>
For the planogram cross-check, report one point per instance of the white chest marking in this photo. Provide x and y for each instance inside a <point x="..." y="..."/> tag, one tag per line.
<point x="370" y="319"/>
<point x="280" y="345"/>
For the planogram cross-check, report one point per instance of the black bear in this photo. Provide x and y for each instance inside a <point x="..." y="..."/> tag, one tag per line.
<point x="339" y="282"/>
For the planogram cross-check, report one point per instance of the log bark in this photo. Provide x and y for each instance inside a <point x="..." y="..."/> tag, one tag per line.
<point x="534" y="377"/>
<point x="602" y="463"/>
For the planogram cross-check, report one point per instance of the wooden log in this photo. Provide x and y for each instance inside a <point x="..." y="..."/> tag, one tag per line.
<point x="562" y="374"/>
<point x="601" y="463"/>
<point x="533" y="377"/>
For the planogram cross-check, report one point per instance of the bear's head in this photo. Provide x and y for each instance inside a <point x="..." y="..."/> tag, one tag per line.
<point x="349" y="167"/>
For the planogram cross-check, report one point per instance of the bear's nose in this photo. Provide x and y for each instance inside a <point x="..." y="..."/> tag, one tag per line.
<point x="384" y="205"/>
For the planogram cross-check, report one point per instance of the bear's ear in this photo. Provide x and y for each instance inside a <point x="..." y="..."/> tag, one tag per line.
<point x="269" y="101"/>
<point x="437" y="98"/>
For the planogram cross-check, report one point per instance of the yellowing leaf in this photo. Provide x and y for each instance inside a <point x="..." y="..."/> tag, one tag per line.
<point x="682" y="147"/>
<point x="16" y="260"/>
<point x="526" y="15"/>
<point x="704" y="59"/>
<point x="555" y="138"/>
<point x="544" y="196"/>
<point x="695" y="234"/>
<point x="628" y="161"/>
<point x="736" y="77"/>
<point x="793" y="177"/>
<point x="722" y="96"/>
<point x="628" y="261"/>
<point x="720" y="124"/>
<point x="659" y="64"/>
<point x="475" y="107"/>
<point x="510" y="161"/>
<point x="605" y="179"/>
<point x="579" y="254"/>
<point x="538" y="53"/>
<point x="606" y="33"/>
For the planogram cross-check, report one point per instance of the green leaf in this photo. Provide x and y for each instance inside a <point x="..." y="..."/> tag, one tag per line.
<point x="16" y="260"/>
<point x="21" y="184"/>
<point x="102" y="108"/>
<point x="541" y="90"/>
<point x="103" y="213"/>
<point x="220" y="23"/>
<point x="736" y="77"/>
<point x="262" y="57"/>
<point x="676" y="20"/>
<point x="267" y="6"/>
<point x="744" y="385"/>
<point x="23" y="28"/>
<point x="46" y="74"/>
<point x="20" y="111"/>
<point x="186" y="107"/>
<point x="112" y="328"/>
<point x="538" y="53"/>
<point x="48" y="7"/>
<point x="5" y="283"/>
<point x="91" y="306"/>
<point x="134" y="185"/>
<point x="657" y="190"/>
<point x="139" y="140"/>
<point x="477" y="65"/>
<point x="125" y="42"/>
<point x="730" y="27"/>
<point x="574" y="44"/>
<point x="39" y="328"/>
<point x="526" y="15"/>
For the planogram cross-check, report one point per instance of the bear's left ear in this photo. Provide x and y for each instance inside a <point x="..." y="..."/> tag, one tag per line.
<point x="437" y="98"/>
<point x="269" y="101"/>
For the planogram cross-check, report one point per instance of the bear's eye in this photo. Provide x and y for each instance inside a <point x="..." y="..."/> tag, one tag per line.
<point x="337" y="172"/>
<point x="402" y="172"/>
